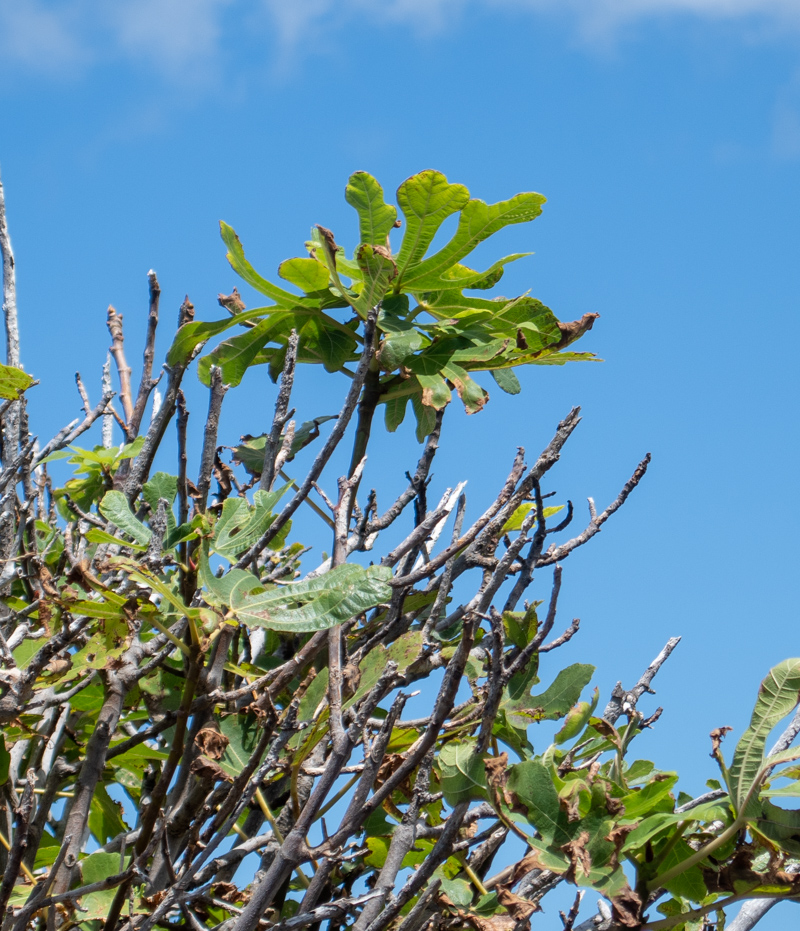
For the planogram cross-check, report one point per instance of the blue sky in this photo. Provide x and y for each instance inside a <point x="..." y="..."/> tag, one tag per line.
<point x="666" y="136"/>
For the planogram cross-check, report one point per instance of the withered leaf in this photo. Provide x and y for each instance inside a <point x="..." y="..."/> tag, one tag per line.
<point x="232" y="302"/>
<point x="717" y="736"/>
<point x="575" y="329"/>
<point x="626" y="908"/>
<point x="212" y="743"/>
<point x="496" y="771"/>
<point x="520" y="909"/>
<point x="578" y="856"/>
<point x="208" y="769"/>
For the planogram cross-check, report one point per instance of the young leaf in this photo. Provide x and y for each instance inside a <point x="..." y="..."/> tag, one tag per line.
<point x="246" y="271"/>
<point x="506" y="380"/>
<point x="306" y="274"/>
<point x="777" y="697"/>
<point x="115" y="507"/>
<point x="377" y="269"/>
<point x="478" y="221"/>
<point x="314" y="604"/>
<point x="194" y="334"/>
<point x="375" y="216"/>
<point x="13" y="382"/>
<point x="427" y="199"/>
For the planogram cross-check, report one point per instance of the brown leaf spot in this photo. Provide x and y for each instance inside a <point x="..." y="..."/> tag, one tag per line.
<point x="212" y="743"/>
<point x="427" y="399"/>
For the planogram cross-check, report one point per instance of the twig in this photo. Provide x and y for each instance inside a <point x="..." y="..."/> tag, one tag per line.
<point x="596" y="522"/>
<point x="108" y="417"/>
<point x="155" y="433"/>
<point x="117" y="350"/>
<point x="272" y="443"/>
<point x="146" y="384"/>
<point x="11" y="418"/>
<point x="325" y="453"/>
<point x="217" y="393"/>
<point x="622" y="702"/>
<point x="82" y="392"/>
<point x="73" y="431"/>
<point x="17" y="851"/>
<point x="569" y="919"/>
<point x="568" y="634"/>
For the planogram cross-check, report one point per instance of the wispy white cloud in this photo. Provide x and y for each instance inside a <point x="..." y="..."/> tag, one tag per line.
<point x="186" y="37"/>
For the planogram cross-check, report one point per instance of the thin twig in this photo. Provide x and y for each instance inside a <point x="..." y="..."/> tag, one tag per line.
<point x="146" y="383"/>
<point x="117" y="350"/>
<point x="272" y="443"/>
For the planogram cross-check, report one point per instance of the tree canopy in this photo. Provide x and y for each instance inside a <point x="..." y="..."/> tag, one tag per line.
<point x="203" y="719"/>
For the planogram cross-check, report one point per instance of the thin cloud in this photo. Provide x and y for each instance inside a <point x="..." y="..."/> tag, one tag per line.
<point x="185" y="39"/>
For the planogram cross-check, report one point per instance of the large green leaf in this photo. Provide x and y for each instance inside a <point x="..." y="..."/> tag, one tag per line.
<point x="427" y="199"/>
<point x="376" y="217"/>
<point x="332" y="345"/>
<point x="235" y="355"/>
<point x="162" y="485"/>
<point x="250" y="452"/>
<point x="242" y="731"/>
<point x="777" y="697"/>
<point x="246" y="271"/>
<point x="650" y="799"/>
<point x="478" y="221"/>
<point x="460" y="276"/>
<point x="314" y="604"/>
<point x="472" y="395"/>
<point x="240" y="525"/>
<point x="462" y="772"/>
<point x="191" y="335"/>
<point x="13" y="382"/>
<point x="781" y="826"/>
<point x="532" y="783"/>
<point x="576" y="719"/>
<point x="377" y="269"/>
<point x="395" y="412"/>
<point x="554" y="703"/>
<point x="306" y="274"/>
<point x="115" y="507"/>
<point x="506" y="380"/>
<point x="426" y="417"/>
<point x="105" y="816"/>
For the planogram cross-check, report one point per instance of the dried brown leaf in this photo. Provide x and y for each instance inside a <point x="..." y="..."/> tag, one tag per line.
<point x="626" y="908"/>
<point x="212" y="743"/>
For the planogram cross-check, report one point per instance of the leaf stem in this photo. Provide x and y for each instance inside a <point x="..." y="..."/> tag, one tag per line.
<point x="24" y="868"/>
<point x="702" y="854"/>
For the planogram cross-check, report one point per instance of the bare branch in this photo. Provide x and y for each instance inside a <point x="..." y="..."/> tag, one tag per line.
<point x="272" y="444"/>
<point x="622" y="702"/>
<point x="146" y="383"/>
<point x="216" y="395"/>
<point x="117" y="350"/>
